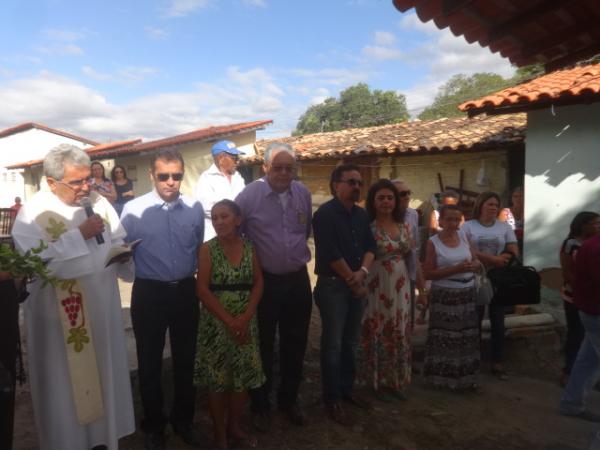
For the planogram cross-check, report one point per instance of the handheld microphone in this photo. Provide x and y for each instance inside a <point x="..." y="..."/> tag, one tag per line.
<point x="86" y="204"/>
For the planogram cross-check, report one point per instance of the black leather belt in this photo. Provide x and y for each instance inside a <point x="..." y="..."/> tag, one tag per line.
<point x="462" y="280"/>
<point x="170" y="284"/>
<point x="230" y="287"/>
<point x="284" y="276"/>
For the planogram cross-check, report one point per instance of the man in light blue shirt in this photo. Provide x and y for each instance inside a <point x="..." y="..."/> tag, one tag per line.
<point x="171" y="228"/>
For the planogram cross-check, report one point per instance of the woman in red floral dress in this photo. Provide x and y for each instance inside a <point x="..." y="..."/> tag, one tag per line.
<point x="385" y="351"/>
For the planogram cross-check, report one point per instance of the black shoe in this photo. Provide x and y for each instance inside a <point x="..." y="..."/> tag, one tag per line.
<point x="190" y="435"/>
<point x="295" y="415"/>
<point x="261" y="421"/>
<point x="586" y="414"/>
<point x="336" y="412"/>
<point x="155" y="441"/>
<point x="357" y="401"/>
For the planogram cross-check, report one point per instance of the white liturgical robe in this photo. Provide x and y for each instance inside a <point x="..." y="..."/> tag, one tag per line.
<point x="72" y="257"/>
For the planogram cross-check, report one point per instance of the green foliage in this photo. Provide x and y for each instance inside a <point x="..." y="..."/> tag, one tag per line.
<point x="459" y="89"/>
<point x="29" y="265"/>
<point x="357" y="107"/>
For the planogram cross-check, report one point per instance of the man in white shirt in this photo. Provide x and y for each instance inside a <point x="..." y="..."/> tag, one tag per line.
<point x="220" y="181"/>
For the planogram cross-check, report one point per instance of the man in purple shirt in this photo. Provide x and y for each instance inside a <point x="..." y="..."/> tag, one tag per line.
<point x="277" y="213"/>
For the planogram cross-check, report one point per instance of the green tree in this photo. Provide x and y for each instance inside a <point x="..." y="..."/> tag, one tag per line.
<point x="356" y="107"/>
<point x="459" y="89"/>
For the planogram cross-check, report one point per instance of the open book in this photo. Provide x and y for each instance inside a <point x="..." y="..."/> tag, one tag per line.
<point x="118" y="252"/>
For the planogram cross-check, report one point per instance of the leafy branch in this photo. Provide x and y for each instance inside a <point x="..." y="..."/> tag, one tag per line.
<point x="29" y="265"/>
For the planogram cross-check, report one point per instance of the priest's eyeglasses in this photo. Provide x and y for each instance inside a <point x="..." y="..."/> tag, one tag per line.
<point x="75" y="184"/>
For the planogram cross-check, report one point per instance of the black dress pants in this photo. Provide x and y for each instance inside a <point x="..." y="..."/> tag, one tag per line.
<point x="156" y="307"/>
<point x="9" y="336"/>
<point x="286" y="306"/>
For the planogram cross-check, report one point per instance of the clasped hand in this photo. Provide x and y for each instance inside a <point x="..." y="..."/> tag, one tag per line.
<point x="238" y="328"/>
<point x="356" y="284"/>
<point x="467" y="266"/>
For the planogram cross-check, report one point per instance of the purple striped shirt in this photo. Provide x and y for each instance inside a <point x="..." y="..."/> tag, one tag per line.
<point x="279" y="234"/>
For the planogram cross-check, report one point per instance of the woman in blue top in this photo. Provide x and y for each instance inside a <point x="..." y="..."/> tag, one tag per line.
<point x="494" y="243"/>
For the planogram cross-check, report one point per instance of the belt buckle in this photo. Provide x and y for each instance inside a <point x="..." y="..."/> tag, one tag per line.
<point x="173" y="283"/>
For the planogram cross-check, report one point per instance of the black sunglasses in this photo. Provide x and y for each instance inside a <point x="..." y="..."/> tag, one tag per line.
<point x="352" y="182"/>
<point x="165" y="176"/>
<point x="404" y="193"/>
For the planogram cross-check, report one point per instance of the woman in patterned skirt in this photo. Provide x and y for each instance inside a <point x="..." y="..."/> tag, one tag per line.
<point x="385" y="351"/>
<point x="227" y="357"/>
<point x="452" y="351"/>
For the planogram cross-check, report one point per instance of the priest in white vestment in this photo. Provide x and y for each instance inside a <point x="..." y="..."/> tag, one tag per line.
<point x="79" y="372"/>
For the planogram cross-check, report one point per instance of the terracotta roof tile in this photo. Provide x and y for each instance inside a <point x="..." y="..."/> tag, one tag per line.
<point x="29" y="125"/>
<point x="133" y="147"/>
<point x="553" y="32"/>
<point x="441" y="135"/>
<point x="92" y="151"/>
<point x="555" y="87"/>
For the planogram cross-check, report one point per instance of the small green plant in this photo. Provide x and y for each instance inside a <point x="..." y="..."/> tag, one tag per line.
<point x="29" y="265"/>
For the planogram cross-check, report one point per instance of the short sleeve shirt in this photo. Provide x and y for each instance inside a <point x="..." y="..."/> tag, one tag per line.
<point x="491" y="240"/>
<point x="340" y="233"/>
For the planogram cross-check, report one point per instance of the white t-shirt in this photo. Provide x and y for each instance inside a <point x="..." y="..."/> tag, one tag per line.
<point x="213" y="186"/>
<point x="490" y="240"/>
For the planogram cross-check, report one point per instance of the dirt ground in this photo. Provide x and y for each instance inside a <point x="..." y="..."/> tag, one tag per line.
<point x="517" y="414"/>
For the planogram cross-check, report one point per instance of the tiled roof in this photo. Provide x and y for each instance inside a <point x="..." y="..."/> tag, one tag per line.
<point x="29" y="125"/>
<point x="579" y="84"/>
<point x="442" y="135"/>
<point x="554" y="32"/>
<point x="134" y="147"/>
<point x="92" y="151"/>
<point x="201" y="135"/>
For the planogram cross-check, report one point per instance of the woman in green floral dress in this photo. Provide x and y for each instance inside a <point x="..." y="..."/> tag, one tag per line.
<point x="229" y="286"/>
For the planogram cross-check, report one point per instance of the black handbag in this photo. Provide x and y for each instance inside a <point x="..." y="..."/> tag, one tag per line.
<point x="515" y="284"/>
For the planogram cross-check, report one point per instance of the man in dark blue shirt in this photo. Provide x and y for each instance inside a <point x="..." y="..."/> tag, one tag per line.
<point x="345" y="249"/>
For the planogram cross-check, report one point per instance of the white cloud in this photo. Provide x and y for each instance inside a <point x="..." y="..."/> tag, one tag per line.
<point x="443" y="55"/>
<point x="181" y="8"/>
<point x="126" y="75"/>
<point x="321" y="94"/>
<point x="61" y="42"/>
<point x="156" y="33"/>
<point x="136" y="74"/>
<point x="381" y="53"/>
<point x="332" y="76"/>
<point x="66" y="104"/>
<point x="4" y="72"/>
<point x="255" y="3"/>
<point x="63" y="35"/>
<point x="411" y="22"/>
<point x="94" y="74"/>
<point x="383" y="47"/>
<point x="61" y="50"/>
<point x="384" y="38"/>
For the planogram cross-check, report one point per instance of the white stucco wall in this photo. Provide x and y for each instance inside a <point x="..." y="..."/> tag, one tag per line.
<point x="196" y="156"/>
<point x="20" y="147"/>
<point x="562" y="176"/>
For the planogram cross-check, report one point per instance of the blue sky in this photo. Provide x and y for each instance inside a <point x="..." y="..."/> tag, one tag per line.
<point x="114" y="70"/>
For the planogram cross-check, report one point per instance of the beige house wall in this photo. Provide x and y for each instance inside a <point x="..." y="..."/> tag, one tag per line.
<point x="196" y="156"/>
<point x="419" y="172"/>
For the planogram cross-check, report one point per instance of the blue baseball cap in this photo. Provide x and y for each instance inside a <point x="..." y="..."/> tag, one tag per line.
<point x="227" y="147"/>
